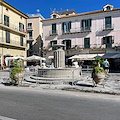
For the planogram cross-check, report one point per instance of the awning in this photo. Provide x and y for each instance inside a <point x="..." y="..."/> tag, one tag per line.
<point x="116" y="56"/>
<point x="86" y="56"/>
<point x="109" y="55"/>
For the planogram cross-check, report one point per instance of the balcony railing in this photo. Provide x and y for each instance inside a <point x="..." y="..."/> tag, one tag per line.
<point x="108" y="27"/>
<point x="29" y="28"/>
<point x="12" y="42"/>
<point x="86" y="29"/>
<point x="53" y="32"/>
<point x="11" y="25"/>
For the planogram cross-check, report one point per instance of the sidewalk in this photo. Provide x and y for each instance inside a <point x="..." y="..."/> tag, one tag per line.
<point x="85" y="84"/>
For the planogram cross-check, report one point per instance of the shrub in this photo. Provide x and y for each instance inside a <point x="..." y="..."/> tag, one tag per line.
<point x="98" y="70"/>
<point x="14" y="71"/>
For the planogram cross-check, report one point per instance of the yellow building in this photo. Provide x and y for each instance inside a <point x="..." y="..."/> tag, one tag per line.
<point x="12" y="32"/>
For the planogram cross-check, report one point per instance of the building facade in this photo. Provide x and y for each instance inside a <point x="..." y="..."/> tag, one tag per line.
<point x="91" y="32"/>
<point x="35" y="34"/>
<point x="12" y="32"/>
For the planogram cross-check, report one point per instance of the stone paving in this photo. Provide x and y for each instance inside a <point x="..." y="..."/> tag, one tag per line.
<point x="85" y="84"/>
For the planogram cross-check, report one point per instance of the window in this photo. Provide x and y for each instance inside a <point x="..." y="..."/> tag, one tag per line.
<point x="6" y="20"/>
<point x="108" y="7"/>
<point x="54" y="28"/>
<point x="54" y="16"/>
<point x="21" y="40"/>
<point x="86" y="42"/>
<point x="53" y="43"/>
<point x="108" y="22"/>
<point x="21" y="27"/>
<point x="86" y="25"/>
<point x="30" y="35"/>
<point x="108" y="41"/>
<point x="29" y="25"/>
<point x="6" y="9"/>
<point x="67" y="44"/>
<point x="7" y="37"/>
<point x="66" y="26"/>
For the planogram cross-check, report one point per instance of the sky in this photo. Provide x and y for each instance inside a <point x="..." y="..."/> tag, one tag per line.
<point x="46" y="6"/>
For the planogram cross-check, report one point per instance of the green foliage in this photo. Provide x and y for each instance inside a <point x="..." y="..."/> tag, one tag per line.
<point x="14" y="71"/>
<point x="17" y="63"/>
<point x="98" y="61"/>
<point x="98" y="70"/>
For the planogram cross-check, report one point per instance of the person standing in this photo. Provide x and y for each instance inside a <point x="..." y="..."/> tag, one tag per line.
<point x="106" y="66"/>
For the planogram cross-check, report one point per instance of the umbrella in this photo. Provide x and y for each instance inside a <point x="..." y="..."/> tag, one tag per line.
<point x="74" y="57"/>
<point x="34" y="58"/>
<point x="14" y="58"/>
<point x="83" y="57"/>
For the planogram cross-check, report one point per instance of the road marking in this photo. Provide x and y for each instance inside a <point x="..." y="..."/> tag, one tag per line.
<point x="5" y="118"/>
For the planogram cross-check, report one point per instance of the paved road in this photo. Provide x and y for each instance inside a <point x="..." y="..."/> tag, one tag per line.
<point x="38" y="104"/>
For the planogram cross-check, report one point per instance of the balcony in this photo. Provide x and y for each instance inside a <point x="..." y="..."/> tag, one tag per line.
<point x="86" y="29"/>
<point x="30" y="39"/>
<point x="53" y="33"/>
<point x="76" y="30"/>
<point x="108" y="27"/>
<point x="71" y="31"/>
<point x="29" y="28"/>
<point x="12" y="27"/>
<point x="12" y="42"/>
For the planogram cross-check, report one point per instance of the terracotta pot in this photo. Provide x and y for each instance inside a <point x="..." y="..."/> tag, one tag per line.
<point x="98" y="77"/>
<point x="19" y="77"/>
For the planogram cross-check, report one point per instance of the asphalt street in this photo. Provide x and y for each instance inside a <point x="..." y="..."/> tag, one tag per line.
<point x="17" y="103"/>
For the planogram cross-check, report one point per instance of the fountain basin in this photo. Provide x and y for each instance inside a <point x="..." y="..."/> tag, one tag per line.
<point x="59" y="72"/>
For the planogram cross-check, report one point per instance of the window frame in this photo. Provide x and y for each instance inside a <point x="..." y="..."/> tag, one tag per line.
<point x="6" y="20"/>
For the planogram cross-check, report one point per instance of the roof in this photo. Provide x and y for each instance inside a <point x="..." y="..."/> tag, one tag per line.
<point x="13" y="8"/>
<point x="81" y="14"/>
<point x="35" y="16"/>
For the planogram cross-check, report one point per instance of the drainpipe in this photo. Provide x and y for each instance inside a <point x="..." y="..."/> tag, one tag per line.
<point x="2" y="35"/>
<point x="39" y="35"/>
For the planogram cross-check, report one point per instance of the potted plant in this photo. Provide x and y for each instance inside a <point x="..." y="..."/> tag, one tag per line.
<point x="16" y="72"/>
<point x="98" y="73"/>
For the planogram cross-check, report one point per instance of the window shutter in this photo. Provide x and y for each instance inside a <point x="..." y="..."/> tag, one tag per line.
<point x="23" y="26"/>
<point x="21" y="40"/>
<point x="63" y="26"/>
<point x="90" y="22"/>
<point x="8" y="21"/>
<point x="19" y="26"/>
<point x="82" y="23"/>
<point x="70" y="25"/>
<point x="103" y="40"/>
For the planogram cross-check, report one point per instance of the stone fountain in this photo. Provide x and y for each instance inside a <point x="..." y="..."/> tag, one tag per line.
<point x="59" y="71"/>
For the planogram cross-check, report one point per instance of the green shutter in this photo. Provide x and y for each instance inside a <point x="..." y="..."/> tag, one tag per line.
<point x="104" y="40"/>
<point x="86" y="42"/>
<point x="90" y="22"/>
<point x="82" y="23"/>
<point x="63" y="24"/>
<point x="7" y="21"/>
<point x="70" y="25"/>
<point x="53" y="28"/>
